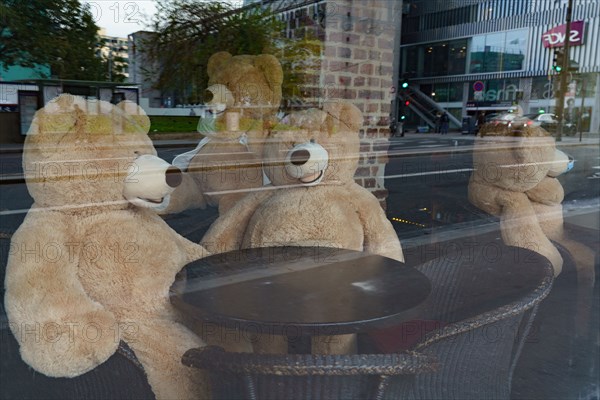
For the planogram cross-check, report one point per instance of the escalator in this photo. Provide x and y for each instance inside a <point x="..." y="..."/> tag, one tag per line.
<point x="425" y="107"/>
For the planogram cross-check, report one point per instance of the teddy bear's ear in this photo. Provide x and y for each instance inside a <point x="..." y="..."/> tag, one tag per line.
<point x="216" y="61"/>
<point x="136" y="114"/>
<point x="343" y="116"/>
<point x="270" y="66"/>
<point x="59" y="115"/>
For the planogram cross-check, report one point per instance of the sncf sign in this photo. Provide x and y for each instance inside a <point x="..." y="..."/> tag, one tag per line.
<point x="555" y="37"/>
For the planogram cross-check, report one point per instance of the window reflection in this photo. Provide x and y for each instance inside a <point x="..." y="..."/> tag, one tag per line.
<point x="436" y="59"/>
<point x="497" y="52"/>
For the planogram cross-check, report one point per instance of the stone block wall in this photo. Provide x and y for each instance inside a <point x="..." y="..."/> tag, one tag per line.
<point x="356" y="65"/>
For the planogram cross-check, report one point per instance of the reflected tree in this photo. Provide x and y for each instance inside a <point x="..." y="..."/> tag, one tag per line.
<point x="61" y="34"/>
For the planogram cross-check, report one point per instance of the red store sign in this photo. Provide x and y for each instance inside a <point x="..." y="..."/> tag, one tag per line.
<point x="555" y="37"/>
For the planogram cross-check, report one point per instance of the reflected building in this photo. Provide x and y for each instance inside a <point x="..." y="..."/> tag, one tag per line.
<point x="488" y="56"/>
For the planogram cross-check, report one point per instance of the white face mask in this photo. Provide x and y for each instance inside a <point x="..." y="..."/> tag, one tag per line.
<point x="307" y="162"/>
<point x="220" y="99"/>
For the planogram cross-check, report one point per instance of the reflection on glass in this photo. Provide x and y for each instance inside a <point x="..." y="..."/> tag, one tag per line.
<point x="502" y="51"/>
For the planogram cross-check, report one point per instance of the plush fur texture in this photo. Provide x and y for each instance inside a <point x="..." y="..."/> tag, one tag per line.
<point x="89" y="269"/>
<point x="228" y="166"/>
<point x="515" y="179"/>
<point x="335" y="212"/>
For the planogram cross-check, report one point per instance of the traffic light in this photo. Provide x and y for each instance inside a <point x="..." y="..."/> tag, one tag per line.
<point x="558" y="61"/>
<point x="407" y="103"/>
<point x="404" y="84"/>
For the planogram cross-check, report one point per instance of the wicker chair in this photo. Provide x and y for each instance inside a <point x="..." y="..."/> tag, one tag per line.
<point x="306" y="376"/>
<point x="486" y="305"/>
<point x="486" y="327"/>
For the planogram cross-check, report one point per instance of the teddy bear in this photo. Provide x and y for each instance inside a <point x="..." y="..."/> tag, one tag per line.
<point x="515" y="178"/>
<point x="244" y="94"/>
<point x="312" y="200"/>
<point x="92" y="263"/>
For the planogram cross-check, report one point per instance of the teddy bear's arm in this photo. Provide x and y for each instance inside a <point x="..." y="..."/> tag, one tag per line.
<point x="379" y="235"/>
<point x="549" y="192"/>
<point x="188" y="195"/>
<point x="61" y="331"/>
<point x="227" y="232"/>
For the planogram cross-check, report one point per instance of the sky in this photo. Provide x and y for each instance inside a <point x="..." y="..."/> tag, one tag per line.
<point x="122" y="17"/>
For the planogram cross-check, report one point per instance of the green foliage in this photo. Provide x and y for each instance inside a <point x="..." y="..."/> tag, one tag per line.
<point x="160" y="123"/>
<point x="189" y="32"/>
<point x="58" y="33"/>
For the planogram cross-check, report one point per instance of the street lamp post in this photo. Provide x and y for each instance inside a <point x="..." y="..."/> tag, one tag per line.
<point x="566" y="64"/>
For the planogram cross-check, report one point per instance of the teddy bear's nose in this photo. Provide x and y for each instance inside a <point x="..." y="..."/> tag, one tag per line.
<point x="173" y="177"/>
<point x="300" y="157"/>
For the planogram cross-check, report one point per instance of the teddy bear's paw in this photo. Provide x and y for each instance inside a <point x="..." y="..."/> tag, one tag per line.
<point x="72" y="347"/>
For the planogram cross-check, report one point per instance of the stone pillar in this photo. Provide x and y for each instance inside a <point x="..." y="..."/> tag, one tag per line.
<point x="357" y="66"/>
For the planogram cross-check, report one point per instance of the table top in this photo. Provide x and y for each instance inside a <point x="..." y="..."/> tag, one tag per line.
<point x="305" y="290"/>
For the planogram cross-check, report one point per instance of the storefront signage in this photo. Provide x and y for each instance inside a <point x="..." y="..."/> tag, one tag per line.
<point x="555" y="37"/>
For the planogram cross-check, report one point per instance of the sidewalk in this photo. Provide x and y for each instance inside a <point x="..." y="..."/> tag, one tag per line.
<point x="191" y="139"/>
<point x="457" y="134"/>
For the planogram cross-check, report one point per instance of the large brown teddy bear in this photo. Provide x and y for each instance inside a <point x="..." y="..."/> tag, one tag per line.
<point x="313" y="200"/>
<point x="514" y="178"/>
<point x="245" y="94"/>
<point x="88" y="268"/>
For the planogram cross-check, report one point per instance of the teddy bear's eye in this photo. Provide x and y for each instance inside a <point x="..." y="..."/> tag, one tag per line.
<point x="137" y="153"/>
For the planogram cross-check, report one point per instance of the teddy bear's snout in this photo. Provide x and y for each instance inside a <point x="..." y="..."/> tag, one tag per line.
<point x="173" y="177"/>
<point x="300" y="157"/>
<point x="307" y="162"/>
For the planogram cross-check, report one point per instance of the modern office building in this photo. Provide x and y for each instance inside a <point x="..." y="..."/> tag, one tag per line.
<point x="476" y="56"/>
<point x="145" y="71"/>
<point x="115" y="51"/>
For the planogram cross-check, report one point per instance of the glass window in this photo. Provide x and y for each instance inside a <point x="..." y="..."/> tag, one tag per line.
<point x="283" y="124"/>
<point x="457" y="57"/>
<point x="502" y="51"/>
<point x="477" y="54"/>
<point x="493" y="52"/>
<point x="412" y="60"/>
<point x="455" y="91"/>
<point x="541" y="88"/>
<point x="436" y="59"/>
<point x="514" y="51"/>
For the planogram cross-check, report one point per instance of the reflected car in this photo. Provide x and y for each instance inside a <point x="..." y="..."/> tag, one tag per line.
<point x="550" y="123"/>
<point x="504" y="119"/>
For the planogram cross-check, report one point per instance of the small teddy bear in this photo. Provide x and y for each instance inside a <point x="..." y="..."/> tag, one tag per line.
<point x="244" y="95"/>
<point x="92" y="262"/>
<point x="313" y="199"/>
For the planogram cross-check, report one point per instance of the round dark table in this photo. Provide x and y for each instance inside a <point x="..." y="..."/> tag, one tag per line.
<point x="300" y="291"/>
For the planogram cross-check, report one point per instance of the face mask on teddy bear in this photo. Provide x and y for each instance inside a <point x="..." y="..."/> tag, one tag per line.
<point x="150" y="182"/>
<point x="307" y="163"/>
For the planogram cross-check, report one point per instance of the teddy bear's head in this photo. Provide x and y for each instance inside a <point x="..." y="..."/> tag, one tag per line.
<point x="250" y="85"/>
<point x="81" y="153"/>
<point x="516" y="158"/>
<point x="315" y="146"/>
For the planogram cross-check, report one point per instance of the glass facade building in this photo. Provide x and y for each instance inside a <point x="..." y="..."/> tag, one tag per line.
<point x="449" y="47"/>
